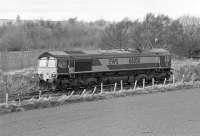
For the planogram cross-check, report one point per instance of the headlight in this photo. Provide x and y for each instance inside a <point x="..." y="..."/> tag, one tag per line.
<point x="53" y="75"/>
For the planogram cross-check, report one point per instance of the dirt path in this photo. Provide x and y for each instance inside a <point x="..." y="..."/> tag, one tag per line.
<point x="162" y="114"/>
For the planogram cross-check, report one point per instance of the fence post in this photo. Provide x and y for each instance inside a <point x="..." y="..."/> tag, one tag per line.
<point x="70" y="94"/>
<point x="95" y="88"/>
<point x="121" y="85"/>
<point x="40" y="94"/>
<point x="135" y="85"/>
<point x="115" y="87"/>
<point x="183" y="78"/>
<point x="153" y="82"/>
<point x="193" y="79"/>
<point x="6" y="98"/>
<point x="143" y="83"/>
<point x="164" y="82"/>
<point x="101" y="88"/>
<point x="173" y="78"/>
<point x="83" y="92"/>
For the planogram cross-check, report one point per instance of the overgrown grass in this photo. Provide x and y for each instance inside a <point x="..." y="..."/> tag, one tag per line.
<point x="186" y="70"/>
<point x="17" y="83"/>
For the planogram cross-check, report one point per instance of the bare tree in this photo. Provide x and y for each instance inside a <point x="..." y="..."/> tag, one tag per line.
<point x="116" y="35"/>
<point x="191" y="28"/>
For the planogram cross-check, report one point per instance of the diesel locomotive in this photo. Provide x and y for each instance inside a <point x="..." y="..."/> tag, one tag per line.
<point x="75" y="68"/>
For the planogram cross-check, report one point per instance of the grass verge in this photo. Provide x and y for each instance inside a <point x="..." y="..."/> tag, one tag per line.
<point x="44" y="102"/>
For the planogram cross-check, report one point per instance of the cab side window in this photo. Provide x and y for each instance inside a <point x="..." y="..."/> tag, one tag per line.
<point x="42" y="62"/>
<point x="62" y="63"/>
<point x="51" y="62"/>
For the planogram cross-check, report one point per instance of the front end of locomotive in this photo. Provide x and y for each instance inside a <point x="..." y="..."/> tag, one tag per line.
<point x="47" y="69"/>
<point x="51" y="66"/>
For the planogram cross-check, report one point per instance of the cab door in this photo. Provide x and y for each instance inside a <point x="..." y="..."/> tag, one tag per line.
<point x="165" y="61"/>
<point x="162" y="61"/>
<point x="63" y="65"/>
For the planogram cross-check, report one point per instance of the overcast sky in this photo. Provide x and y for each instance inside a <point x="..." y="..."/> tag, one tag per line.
<point x="90" y="10"/>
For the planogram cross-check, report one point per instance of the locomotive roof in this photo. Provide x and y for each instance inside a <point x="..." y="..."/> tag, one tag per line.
<point x="81" y="53"/>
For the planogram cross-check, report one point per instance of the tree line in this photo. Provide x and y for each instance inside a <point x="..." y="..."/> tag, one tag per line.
<point x="180" y="36"/>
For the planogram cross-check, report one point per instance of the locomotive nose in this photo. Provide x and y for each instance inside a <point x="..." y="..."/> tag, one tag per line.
<point x="48" y="76"/>
<point x="47" y="69"/>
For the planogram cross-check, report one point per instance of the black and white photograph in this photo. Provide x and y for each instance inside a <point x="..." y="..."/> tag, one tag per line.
<point x="99" y="68"/>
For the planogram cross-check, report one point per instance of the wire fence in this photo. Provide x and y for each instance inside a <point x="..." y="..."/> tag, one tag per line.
<point x="116" y="88"/>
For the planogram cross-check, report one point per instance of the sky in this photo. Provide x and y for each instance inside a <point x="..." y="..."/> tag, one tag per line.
<point x="91" y="10"/>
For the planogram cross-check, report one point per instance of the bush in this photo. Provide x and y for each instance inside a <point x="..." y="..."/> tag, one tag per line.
<point x="15" y="84"/>
<point x="186" y="70"/>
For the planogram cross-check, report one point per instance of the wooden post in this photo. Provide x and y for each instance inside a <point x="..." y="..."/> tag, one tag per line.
<point x="173" y="78"/>
<point x="121" y="85"/>
<point x="183" y="78"/>
<point x="83" y="92"/>
<point x="115" y="87"/>
<point x="95" y="88"/>
<point x="143" y="83"/>
<point x="193" y="79"/>
<point x="153" y="82"/>
<point x="70" y="95"/>
<point x="6" y="98"/>
<point x="164" y="82"/>
<point x="101" y="88"/>
<point x="135" y="85"/>
<point x="6" y="81"/>
<point x="40" y="94"/>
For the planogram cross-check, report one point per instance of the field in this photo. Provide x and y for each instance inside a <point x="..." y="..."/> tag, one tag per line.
<point x="173" y="113"/>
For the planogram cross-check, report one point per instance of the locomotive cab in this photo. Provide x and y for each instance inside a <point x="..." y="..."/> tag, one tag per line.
<point x="47" y="68"/>
<point x="52" y="63"/>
